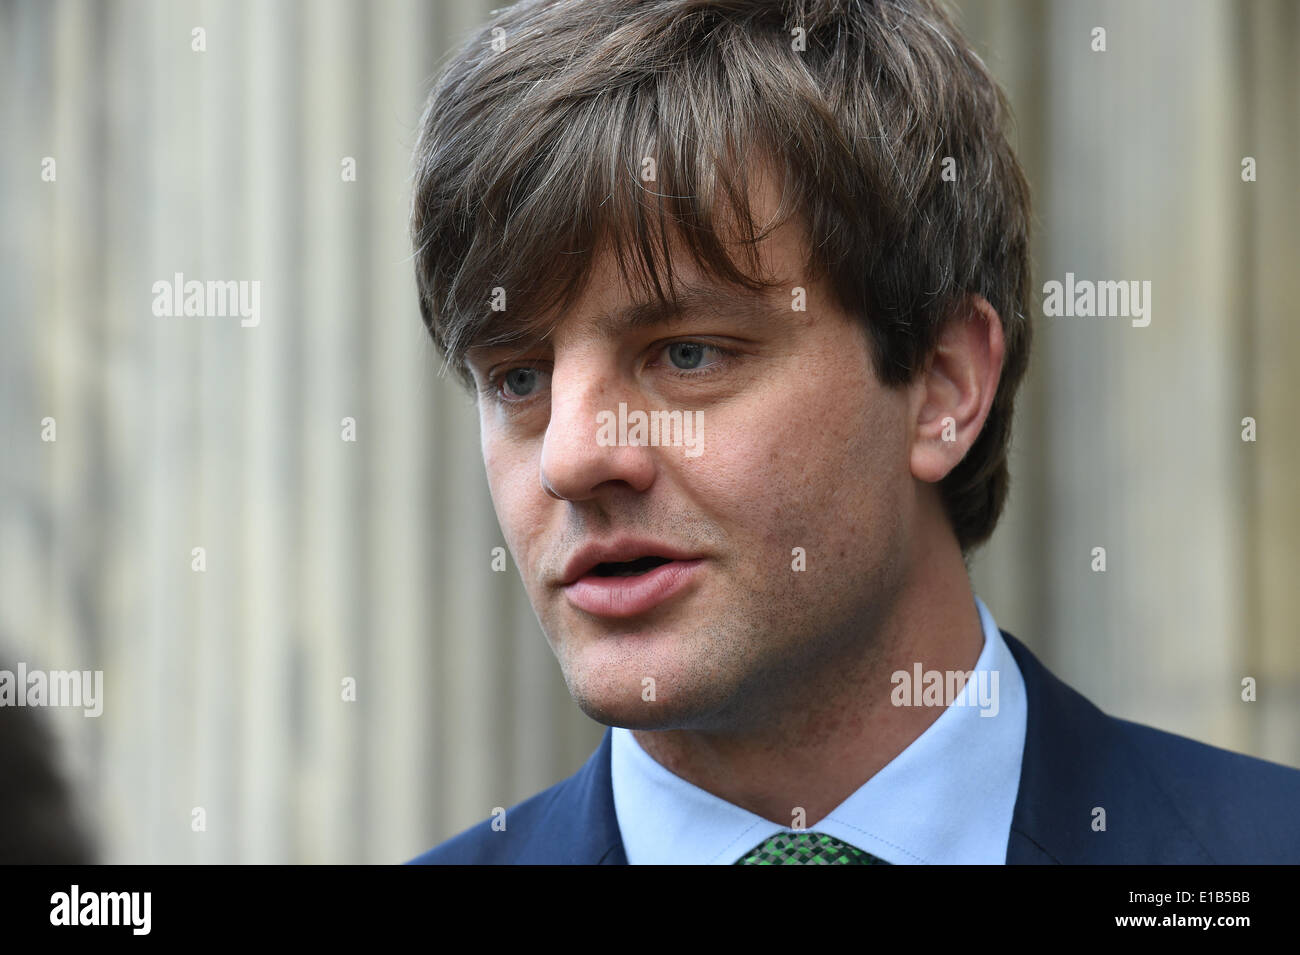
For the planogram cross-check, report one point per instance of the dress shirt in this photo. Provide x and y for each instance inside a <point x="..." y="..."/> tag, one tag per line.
<point x="947" y="798"/>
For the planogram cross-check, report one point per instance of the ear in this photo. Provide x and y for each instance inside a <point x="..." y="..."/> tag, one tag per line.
<point x="951" y="398"/>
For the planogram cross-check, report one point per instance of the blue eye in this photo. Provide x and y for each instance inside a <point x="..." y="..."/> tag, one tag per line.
<point x="520" y="382"/>
<point x="686" y="355"/>
<point x="692" y="360"/>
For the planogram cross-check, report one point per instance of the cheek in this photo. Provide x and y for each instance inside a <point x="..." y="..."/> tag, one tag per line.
<point x="816" y="469"/>
<point x="514" y="488"/>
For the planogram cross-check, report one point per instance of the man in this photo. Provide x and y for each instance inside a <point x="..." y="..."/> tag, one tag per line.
<point x="741" y="288"/>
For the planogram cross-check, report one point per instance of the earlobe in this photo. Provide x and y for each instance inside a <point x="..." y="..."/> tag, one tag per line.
<point x="952" y="396"/>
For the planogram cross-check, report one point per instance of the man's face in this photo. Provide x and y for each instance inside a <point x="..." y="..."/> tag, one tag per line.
<point x="788" y="519"/>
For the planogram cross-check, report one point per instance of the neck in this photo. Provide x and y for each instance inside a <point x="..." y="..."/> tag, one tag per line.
<point x="840" y="728"/>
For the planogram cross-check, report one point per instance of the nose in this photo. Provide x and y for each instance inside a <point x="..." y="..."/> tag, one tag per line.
<point x="575" y="465"/>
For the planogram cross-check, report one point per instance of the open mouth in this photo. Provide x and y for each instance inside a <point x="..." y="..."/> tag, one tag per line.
<point x="629" y="568"/>
<point x="626" y="588"/>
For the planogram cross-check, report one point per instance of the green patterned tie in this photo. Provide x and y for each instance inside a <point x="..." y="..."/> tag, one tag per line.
<point x="806" y="848"/>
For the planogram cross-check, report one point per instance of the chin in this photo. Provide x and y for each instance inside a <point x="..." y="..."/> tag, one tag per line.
<point x="612" y="695"/>
<point x="606" y="676"/>
<point x="633" y="715"/>
<point x="616" y="699"/>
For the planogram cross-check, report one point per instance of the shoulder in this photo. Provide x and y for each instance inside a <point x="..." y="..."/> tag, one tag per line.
<point x="482" y="844"/>
<point x="572" y="823"/>
<point x="1244" y="809"/>
<point x="1167" y="798"/>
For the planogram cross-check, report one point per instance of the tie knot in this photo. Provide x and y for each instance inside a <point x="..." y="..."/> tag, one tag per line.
<point x="806" y="848"/>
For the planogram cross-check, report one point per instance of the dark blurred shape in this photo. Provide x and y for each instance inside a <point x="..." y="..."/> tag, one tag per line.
<point x="39" y="822"/>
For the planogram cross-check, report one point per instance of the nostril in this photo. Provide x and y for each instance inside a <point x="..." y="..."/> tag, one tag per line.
<point x="550" y="488"/>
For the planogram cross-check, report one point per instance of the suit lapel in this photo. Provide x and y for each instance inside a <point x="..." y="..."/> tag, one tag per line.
<point x="578" y="826"/>
<point x="1078" y="760"/>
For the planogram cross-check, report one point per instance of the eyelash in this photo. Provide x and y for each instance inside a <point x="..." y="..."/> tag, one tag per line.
<point x="725" y="355"/>
<point x="724" y="358"/>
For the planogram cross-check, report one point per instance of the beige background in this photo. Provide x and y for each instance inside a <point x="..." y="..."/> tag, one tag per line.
<point x="371" y="559"/>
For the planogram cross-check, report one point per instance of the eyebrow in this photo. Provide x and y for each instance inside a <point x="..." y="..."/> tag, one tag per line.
<point x="692" y="300"/>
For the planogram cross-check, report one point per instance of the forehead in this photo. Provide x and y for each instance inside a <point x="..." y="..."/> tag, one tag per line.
<point x="698" y="298"/>
<point x="609" y="307"/>
<point x="614" y="316"/>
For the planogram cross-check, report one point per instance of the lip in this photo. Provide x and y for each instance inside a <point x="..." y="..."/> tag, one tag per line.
<point x="629" y="596"/>
<point x="616" y="551"/>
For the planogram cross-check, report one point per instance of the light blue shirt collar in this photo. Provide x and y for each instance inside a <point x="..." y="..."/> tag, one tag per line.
<point x="947" y="798"/>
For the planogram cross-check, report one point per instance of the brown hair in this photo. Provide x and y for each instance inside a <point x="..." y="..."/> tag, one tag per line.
<point x="530" y="157"/>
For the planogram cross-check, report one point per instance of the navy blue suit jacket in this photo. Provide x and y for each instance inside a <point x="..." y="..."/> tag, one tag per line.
<point x="1168" y="799"/>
